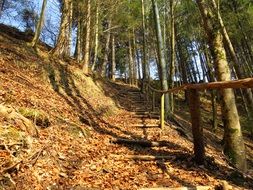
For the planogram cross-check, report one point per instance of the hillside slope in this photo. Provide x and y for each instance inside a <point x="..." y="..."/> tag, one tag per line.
<point x="77" y="117"/>
<point x="53" y="92"/>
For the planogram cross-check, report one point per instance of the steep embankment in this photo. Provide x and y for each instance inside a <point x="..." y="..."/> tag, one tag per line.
<point x="77" y="117"/>
<point x="54" y="95"/>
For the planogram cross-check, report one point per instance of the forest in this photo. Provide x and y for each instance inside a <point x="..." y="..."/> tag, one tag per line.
<point x="126" y="94"/>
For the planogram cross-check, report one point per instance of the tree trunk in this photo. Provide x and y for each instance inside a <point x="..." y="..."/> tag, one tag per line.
<point x="161" y="55"/>
<point x="138" y="64"/>
<point x="106" y="51"/>
<point x="86" y="60"/>
<point x="113" y="59"/>
<point x="62" y="45"/>
<point x="39" y="25"/>
<point x="172" y="56"/>
<point x="197" y="129"/>
<point x="234" y="144"/>
<point x="144" y="51"/>
<point x="134" y="61"/>
<point x="130" y="61"/>
<point x="182" y="62"/>
<point x="78" y="51"/>
<point x="2" y="7"/>
<point x="96" y="39"/>
<point x="247" y="93"/>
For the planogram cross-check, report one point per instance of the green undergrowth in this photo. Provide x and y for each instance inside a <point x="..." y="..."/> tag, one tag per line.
<point x="11" y="133"/>
<point x="74" y="128"/>
<point x="40" y="118"/>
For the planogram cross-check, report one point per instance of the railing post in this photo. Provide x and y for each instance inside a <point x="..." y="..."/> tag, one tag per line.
<point x="147" y="91"/>
<point x="197" y="130"/>
<point x="153" y="101"/>
<point x="162" y="112"/>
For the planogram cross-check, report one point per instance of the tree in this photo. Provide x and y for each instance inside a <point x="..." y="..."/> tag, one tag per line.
<point x="144" y="51"/>
<point x="234" y="144"/>
<point x="161" y="55"/>
<point x="62" y="47"/>
<point x="86" y="60"/>
<point x="2" y="3"/>
<point x="39" y="25"/>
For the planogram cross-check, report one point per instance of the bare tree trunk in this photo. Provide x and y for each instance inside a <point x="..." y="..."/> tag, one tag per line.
<point x="161" y="55"/>
<point x="39" y="25"/>
<point x="113" y="59"/>
<point x="78" y="51"/>
<point x="62" y="45"/>
<point x="182" y="62"/>
<point x="134" y="61"/>
<point x="130" y="61"/>
<point x="234" y="144"/>
<point x="138" y="63"/>
<point x="86" y="60"/>
<point x="172" y="55"/>
<point x="96" y="39"/>
<point x="247" y="93"/>
<point x="106" y="51"/>
<point x="144" y="51"/>
<point x="2" y="3"/>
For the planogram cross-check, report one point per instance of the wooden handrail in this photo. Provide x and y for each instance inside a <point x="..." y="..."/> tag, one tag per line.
<point x="194" y="104"/>
<point x="242" y="83"/>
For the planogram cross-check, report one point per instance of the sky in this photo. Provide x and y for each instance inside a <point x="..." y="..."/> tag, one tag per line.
<point x="13" y="17"/>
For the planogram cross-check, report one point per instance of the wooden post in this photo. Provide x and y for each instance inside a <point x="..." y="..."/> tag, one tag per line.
<point x="147" y="95"/>
<point x="162" y="112"/>
<point x="197" y="130"/>
<point x="153" y="101"/>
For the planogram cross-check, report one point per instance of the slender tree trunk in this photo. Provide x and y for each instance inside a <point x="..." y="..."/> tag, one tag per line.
<point x="161" y="55"/>
<point x="113" y="59"/>
<point x="96" y="39"/>
<point x="39" y="25"/>
<point x="134" y="61"/>
<point x="234" y="144"/>
<point x="211" y="78"/>
<point x="2" y="3"/>
<point x="78" y="51"/>
<point x="172" y="56"/>
<point x="86" y="60"/>
<point x="138" y="64"/>
<point x="106" y="51"/>
<point x="144" y="51"/>
<point x="130" y="61"/>
<point x="182" y="62"/>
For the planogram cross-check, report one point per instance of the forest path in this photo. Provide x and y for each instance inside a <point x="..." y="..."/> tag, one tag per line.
<point x="142" y="155"/>
<point x="150" y="157"/>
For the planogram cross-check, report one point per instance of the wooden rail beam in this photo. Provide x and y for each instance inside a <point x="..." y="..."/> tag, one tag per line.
<point x="235" y="84"/>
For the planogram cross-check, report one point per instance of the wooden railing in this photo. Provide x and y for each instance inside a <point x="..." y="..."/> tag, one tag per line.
<point x="194" y="105"/>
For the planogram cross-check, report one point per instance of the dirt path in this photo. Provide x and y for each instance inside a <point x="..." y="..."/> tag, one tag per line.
<point x="70" y="162"/>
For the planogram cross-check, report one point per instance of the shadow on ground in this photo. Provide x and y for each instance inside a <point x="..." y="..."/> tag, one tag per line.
<point x="88" y="115"/>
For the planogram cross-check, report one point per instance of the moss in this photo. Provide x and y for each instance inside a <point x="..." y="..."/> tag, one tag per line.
<point x="11" y="133"/>
<point x="76" y="131"/>
<point x="73" y="128"/>
<point x="38" y="117"/>
<point x="108" y="111"/>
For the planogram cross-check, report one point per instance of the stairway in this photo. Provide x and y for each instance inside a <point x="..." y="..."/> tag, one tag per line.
<point x="141" y="110"/>
<point x="150" y="145"/>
